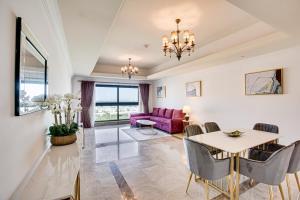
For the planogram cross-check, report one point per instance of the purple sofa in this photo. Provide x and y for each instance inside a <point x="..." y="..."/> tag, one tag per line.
<point x="169" y="120"/>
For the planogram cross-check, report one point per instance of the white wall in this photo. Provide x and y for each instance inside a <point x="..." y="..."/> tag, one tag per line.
<point x="22" y="139"/>
<point x="223" y="98"/>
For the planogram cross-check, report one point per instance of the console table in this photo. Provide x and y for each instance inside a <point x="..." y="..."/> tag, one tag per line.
<point x="56" y="176"/>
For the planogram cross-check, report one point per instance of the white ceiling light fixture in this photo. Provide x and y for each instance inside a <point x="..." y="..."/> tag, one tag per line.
<point x="175" y="45"/>
<point x="130" y="70"/>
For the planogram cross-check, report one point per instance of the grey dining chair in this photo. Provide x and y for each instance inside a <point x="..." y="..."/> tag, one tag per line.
<point x="203" y="164"/>
<point x="195" y="129"/>
<point x="294" y="167"/>
<point x="259" y="153"/>
<point x="271" y="171"/>
<point x="192" y="130"/>
<point x="211" y="127"/>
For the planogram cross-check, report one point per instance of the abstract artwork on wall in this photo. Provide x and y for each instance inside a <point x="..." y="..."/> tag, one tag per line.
<point x="161" y="91"/>
<point x="193" y="89"/>
<point x="264" y="82"/>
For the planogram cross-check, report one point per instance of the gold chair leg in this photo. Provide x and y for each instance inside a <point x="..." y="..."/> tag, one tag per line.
<point x="271" y="192"/>
<point x="228" y="183"/>
<point x="281" y="191"/>
<point x="288" y="186"/>
<point x="231" y="176"/>
<point x="189" y="181"/>
<point x="297" y="180"/>
<point x="206" y="190"/>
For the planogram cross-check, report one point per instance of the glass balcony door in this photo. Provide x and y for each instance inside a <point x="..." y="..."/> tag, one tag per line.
<point x="116" y="102"/>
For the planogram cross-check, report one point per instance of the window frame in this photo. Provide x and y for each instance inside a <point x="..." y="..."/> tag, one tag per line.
<point x="117" y="103"/>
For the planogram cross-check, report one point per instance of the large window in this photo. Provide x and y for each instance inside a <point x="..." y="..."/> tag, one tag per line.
<point x="116" y="102"/>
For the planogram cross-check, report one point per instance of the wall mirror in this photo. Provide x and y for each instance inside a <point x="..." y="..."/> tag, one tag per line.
<point x="30" y="72"/>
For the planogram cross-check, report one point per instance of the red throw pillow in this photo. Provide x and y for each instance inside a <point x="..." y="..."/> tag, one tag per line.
<point x="177" y="114"/>
<point x="161" y="112"/>
<point x="168" y="113"/>
<point x="155" y="111"/>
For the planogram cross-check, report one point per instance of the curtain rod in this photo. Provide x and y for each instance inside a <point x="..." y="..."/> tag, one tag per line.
<point x="112" y="82"/>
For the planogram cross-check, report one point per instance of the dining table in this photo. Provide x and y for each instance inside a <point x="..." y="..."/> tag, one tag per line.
<point x="235" y="146"/>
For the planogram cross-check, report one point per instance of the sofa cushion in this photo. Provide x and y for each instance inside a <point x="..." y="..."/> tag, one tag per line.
<point x="165" y="121"/>
<point x="168" y="113"/>
<point x="177" y="114"/>
<point x="161" y="112"/>
<point x="160" y="120"/>
<point x="155" y="119"/>
<point x="155" y="111"/>
<point x="141" y="117"/>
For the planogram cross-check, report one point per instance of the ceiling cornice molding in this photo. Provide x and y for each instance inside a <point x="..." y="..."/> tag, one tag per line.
<point x="54" y="17"/>
<point x="117" y="76"/>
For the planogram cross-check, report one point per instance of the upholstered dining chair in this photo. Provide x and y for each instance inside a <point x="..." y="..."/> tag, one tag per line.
<point x="211" y="127"/>
<point x="195" y="129"/>
<point x="203" y="164"/>
<point x="192" y="130"/>
<point x="294" y="167"/>
<point x="271" y="171"/>
<point x="258" y="153"/>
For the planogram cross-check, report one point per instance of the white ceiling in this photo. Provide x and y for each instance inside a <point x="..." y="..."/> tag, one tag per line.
<point x="105" y="33"/>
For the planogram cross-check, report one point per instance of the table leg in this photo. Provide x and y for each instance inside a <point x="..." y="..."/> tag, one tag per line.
<point x="237" y="176"/>
<point x="231" y="176"/>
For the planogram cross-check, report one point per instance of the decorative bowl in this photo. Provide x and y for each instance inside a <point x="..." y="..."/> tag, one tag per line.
<point x="235" y="133"/>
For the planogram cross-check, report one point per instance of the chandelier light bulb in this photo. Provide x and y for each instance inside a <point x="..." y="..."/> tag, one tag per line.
<point x="173" y="36"/>
<point x="165" y="40"/>
<point x="186" y="35"/>
<point x="192" y="37"/>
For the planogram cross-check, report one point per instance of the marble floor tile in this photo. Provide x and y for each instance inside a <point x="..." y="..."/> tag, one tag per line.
<point x="114" y="166"/>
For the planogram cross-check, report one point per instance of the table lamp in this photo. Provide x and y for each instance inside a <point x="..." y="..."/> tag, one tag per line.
<point x="186" y="110"/>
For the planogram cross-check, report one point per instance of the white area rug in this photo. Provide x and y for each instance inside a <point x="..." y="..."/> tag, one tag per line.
<point x="144" y="133"/>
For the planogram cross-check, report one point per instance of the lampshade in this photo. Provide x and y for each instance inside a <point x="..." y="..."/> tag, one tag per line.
<point x="186" y="109"/>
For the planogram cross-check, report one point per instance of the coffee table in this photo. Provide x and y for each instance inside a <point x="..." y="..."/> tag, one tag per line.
<point x="144" y="123"/>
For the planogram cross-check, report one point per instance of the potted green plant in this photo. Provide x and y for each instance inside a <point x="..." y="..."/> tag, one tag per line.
<point x="64" y="108"/>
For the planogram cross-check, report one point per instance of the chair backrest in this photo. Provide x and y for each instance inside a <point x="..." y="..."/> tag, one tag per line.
<point x="193" y="129"/>
<point x="276" y="165"/>
<point x="202" y="163"/>
<point x="294" y="165"/>
<point x="266" y="127"/>
<point x="211" y="127"/>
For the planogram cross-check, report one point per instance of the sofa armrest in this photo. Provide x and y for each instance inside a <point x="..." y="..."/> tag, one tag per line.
<point x="138" y="114"/>
<point x="176" y="122"/>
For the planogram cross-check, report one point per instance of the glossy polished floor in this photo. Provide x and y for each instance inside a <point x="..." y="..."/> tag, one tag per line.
<point x="114" y="166"/>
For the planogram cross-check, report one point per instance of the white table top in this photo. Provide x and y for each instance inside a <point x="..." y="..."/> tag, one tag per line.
<point x="146" y="122"/>
<point x="249" y="139"/>
<point x="55" y="175"/>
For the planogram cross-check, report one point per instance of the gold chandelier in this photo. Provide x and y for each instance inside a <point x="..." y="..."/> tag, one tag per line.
<point x="130" y="70"/>
<point x="175" y="45"/>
